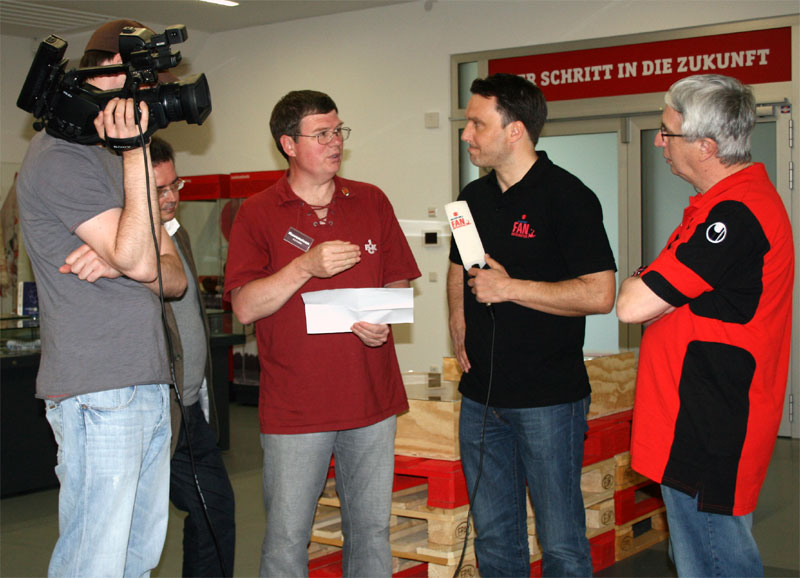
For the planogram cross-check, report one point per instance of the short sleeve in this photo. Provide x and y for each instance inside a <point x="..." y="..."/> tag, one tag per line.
<point x="724" y="253"/>
<point x="248" y="250"/>
<point x="582" y="238"/>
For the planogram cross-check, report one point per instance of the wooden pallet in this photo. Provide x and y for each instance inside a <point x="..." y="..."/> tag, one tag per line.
<point x="447" y="487"/>
<point x="625" y="475"/>
<point x="441" y="526"/>
<point x="636" y="501"/>
<point x="607" y="436"/>
<point x="329" y="564"/>
<point x="602" y="547"/>
<point x="597" y="484"/>
<point x="640" y="534"/>
<point x="613" y="379"/>
<point x="429" y="428"/>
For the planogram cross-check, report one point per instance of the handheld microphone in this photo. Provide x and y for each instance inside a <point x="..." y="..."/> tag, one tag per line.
<point x="467" y="238"/>
<point x="465" y="234"/>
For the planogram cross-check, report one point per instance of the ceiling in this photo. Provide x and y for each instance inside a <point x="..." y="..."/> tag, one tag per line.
<point x="39" y="18"/>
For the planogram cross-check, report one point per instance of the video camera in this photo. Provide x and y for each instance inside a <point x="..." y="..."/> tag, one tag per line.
<point x="66" y="105"/>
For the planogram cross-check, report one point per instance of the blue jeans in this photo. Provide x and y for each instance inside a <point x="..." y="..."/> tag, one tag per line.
<point x="545" y="446"/>
<point x="706" y="544"/>
<point x="295" y="470"/>
<point x="113" y="466"/>
<point x="200" y="556"/>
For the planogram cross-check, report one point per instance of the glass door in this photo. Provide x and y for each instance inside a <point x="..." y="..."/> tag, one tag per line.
<point x="590" y="150"/>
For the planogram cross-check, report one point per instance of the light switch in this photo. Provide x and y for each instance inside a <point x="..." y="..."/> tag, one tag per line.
<point x="431" y="120"/>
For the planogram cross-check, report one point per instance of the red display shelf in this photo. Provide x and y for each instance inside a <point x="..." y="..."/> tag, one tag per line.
<point x="205" y="188"/>
<point x="245" y="185"/>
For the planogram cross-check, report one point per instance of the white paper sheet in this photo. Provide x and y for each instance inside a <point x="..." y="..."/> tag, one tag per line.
<point x="335" y="310"/>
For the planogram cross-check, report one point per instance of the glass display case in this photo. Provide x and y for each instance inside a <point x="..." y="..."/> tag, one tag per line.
<point x="209" y="204"/>
<point x="203" y="199"/>
<point x="19" y="334"/>
<point x="207" y="209"/>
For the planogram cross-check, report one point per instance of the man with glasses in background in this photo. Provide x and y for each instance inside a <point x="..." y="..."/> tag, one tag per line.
<point x="717" y="306"/>
<point x="208" y="544"/>
<point x="334" y="393"/>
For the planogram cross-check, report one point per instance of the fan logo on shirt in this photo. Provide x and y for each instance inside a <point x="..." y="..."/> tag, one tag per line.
<point x="457" y="221"/>
<point x="370" y="247"/>
<point x="523" y="229"/>
<point x="716" y="232"/>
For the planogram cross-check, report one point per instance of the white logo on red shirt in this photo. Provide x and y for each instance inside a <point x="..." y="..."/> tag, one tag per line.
<point x="370" y="247"/>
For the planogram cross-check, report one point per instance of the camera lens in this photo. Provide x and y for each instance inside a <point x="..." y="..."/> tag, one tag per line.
<point x="188" y="100"/>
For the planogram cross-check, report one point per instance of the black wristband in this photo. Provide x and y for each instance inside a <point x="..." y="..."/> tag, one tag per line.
<point x="125" y="144"/>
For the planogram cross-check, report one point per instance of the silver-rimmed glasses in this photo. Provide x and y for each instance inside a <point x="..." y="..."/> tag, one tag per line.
<point x="173" y="187"/>
<point x="325" y="137"/>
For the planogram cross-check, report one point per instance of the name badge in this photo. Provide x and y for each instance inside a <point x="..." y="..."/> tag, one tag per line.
<point x="298" y="239"/>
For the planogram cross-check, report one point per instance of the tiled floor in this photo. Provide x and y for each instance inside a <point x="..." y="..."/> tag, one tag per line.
<point x="29" y="524"/>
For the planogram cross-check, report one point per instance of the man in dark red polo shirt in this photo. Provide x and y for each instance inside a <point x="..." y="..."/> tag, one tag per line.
<point x="336" y="392"/>
<point x="714" y="358"/>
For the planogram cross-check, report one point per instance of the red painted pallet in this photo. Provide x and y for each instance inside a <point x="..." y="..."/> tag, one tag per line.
<point x="325" y="566"/>
<point x="636" y="501"/>
<point x="330" y="566"/>
<point x="447" y="487"/>
<point x="607" y="436"/>
<point x="603" y="554"/>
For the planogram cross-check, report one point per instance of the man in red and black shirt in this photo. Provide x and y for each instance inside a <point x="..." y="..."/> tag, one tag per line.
<point x="717" y="306"/>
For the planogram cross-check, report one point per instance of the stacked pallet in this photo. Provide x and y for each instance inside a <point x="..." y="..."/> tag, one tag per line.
<point x="640" y="515"/>
<point x="624" y="513"/>
<point x="428" y="523"/>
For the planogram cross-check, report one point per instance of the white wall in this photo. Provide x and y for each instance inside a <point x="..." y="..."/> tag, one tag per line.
<point x="385" y="68"/>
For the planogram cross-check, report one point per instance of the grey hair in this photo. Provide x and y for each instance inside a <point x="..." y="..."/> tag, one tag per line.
<point x="717" y="107"/>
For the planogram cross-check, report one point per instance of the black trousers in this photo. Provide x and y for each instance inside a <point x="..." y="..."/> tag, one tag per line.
<point x="200" y="556"/>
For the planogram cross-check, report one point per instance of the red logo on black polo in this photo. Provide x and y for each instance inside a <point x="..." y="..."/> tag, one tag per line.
<point x="523" y="229"/>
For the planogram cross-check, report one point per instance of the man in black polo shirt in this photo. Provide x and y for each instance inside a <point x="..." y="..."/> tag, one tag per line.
<point x="549" y="265"/>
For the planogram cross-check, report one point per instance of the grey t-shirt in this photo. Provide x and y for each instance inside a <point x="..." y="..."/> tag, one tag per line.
<point x="95" y="336"/>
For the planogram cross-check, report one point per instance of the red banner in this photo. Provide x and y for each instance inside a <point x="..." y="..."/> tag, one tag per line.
<point x="753" y="57"/>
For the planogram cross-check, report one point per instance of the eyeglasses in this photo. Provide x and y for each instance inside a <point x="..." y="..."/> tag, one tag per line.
<point x="326" y="137"/>
<point x="665" y="134"/>
<point x="173" y="187"/>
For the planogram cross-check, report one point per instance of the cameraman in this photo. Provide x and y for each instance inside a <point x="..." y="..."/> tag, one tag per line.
<point x="103" y="372"/>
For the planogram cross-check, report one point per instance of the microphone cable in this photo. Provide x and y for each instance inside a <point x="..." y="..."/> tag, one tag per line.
<point x="170" y="349"/>
<point x="474" y="492"/>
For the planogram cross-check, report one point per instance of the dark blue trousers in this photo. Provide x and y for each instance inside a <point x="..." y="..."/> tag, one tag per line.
<point x="200" y="556"/>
